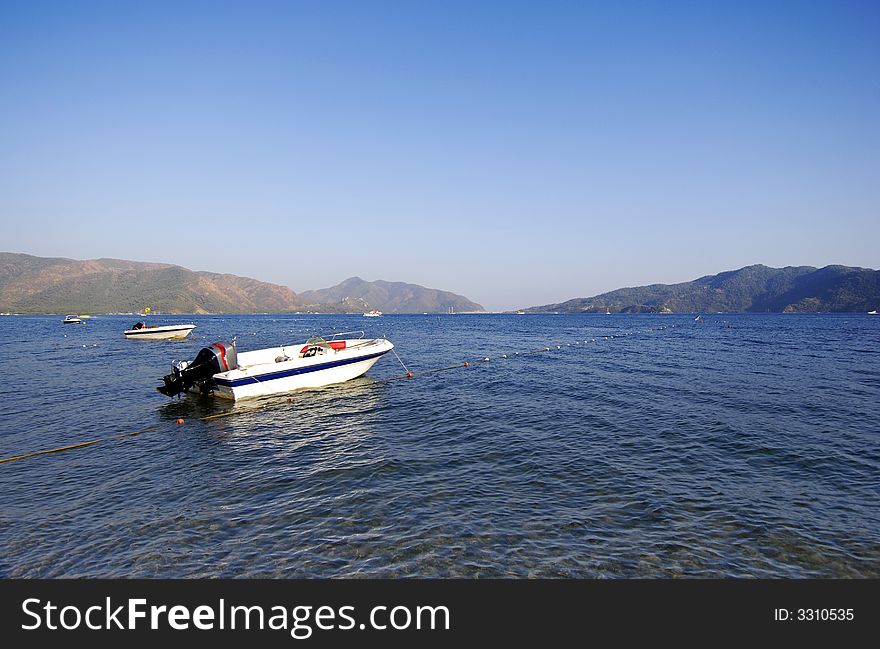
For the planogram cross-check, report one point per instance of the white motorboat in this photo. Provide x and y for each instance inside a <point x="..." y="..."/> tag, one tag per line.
<point x="73" y="319"/>
<point x="372" y="314"/>
<point x="222" y="371"/>
<point x="142" y="331"/>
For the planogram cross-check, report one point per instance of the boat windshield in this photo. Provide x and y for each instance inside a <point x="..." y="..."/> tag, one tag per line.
<point x="316" y="340"/>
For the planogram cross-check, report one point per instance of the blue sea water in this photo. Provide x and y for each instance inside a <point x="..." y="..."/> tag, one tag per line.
<point x="643" y="446"/>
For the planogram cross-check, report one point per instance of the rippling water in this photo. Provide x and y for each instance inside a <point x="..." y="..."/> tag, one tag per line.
<point x="745" y="446"/>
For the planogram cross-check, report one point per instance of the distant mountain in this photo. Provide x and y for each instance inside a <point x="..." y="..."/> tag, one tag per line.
<point x="31" y="284"/>
<point x="756" y="289"/>
<point x="356" y="294"/>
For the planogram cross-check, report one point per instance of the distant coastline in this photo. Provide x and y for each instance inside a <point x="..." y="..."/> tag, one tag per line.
<point x="752" y="289"/>
<point x="41" y="285"/>
<point x="36" y="285"/>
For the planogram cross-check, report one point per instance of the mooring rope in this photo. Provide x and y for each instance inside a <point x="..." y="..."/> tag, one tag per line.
<point x="399" y="360"/>
<point x="409" y="375"/>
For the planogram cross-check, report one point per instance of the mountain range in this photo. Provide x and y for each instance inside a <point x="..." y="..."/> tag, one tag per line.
<point x="30" y="284"/>
<point x="754" y="289"/>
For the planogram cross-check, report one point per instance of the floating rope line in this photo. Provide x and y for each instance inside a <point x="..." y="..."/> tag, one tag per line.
<point x="409" y="374"/>
<point x="73" y="446"/>
<point x="435" y="370"/>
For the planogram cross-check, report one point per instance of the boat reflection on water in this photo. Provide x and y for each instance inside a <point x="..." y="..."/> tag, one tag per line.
<point x="332" y="422"/>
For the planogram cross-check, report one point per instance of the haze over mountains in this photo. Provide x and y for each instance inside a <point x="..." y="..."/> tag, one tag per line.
<point x="30" y="284"/>
<point x="754" y="289"/>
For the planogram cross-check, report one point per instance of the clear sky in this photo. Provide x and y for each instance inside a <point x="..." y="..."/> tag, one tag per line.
<point x="519" y="153"/>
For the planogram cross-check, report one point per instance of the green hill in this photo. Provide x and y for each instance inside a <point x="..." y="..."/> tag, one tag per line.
<point x="755" y="289"/>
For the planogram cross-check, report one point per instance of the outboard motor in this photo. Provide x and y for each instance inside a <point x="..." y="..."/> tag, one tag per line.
<point x="219" y="357"/>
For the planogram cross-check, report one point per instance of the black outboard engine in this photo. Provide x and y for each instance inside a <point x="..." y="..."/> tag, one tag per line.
<point x="219" y="357"/>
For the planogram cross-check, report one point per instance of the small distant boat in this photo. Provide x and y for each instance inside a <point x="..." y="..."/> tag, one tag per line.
<point x="520" y="313"/>
<point x="607" y="312"/>
<point x="221" y="371"/>
<point x="142" y="331"/>
<point x="372" y="314"/>
<point x="73" y="319"/>
<point x="874" y="312"/>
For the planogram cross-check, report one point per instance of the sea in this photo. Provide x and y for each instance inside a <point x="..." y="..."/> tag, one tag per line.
<point x="569" y="446"/>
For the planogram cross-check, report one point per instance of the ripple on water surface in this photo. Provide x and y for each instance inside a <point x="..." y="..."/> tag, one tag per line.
<point x="742" y="446"/>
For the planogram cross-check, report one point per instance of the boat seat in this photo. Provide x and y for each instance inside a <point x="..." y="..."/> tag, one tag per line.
<point x="306" y="350"/>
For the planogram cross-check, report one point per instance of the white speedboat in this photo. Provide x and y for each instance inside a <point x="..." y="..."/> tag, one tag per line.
<point x="224" y="372"/>
<point x="142" y="331"/>
<point x="372" y="314"/>
<point x="73" y="319"/>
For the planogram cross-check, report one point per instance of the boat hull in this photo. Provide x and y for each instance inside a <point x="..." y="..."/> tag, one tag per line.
<point x="167" y="332"/>
<point x="265" y="379"/>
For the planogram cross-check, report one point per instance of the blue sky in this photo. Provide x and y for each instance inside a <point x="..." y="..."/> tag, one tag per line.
<point x="519" y="153"/>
